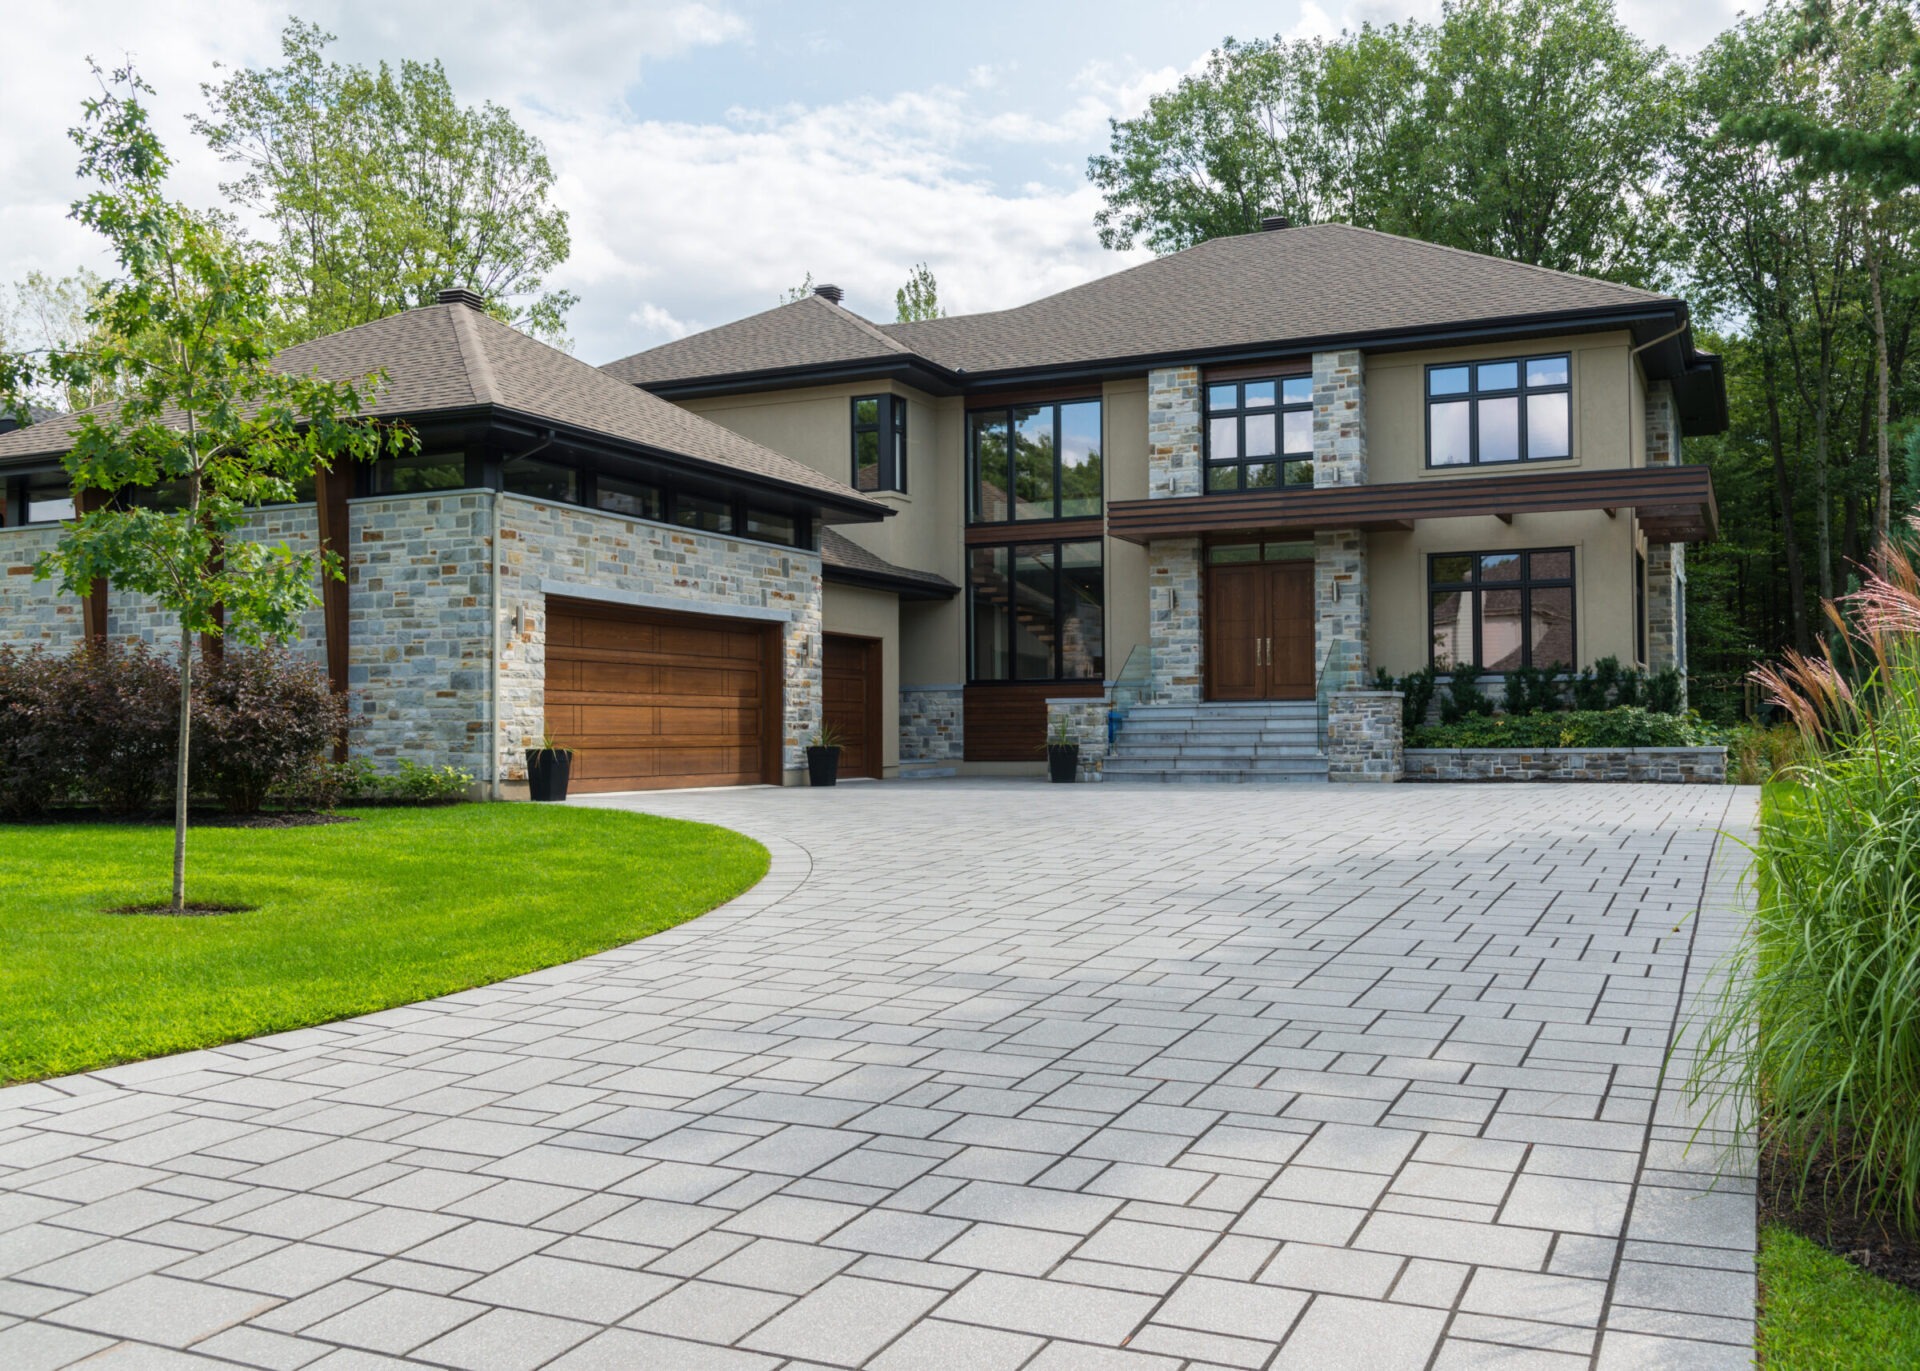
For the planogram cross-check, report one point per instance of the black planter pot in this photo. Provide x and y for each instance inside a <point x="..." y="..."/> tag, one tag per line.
<point x="547" y="772"/>
<point x="823" y="765"/>
<point x="1063" y="763"/>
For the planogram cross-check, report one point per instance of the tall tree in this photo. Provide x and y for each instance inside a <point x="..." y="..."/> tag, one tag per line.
<point x="384" y="189"/>
<point x="183" y="336"/>
<point x="41" y="314"/>
<point x="919" y="298"/>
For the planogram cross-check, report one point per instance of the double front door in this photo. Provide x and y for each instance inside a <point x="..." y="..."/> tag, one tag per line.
<point x="1260" y="631"/>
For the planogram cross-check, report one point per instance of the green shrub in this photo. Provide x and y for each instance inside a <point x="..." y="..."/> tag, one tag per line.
<point x="33" y="768"/>
<point x="1417" y="691"/>
<point x="1816" y="1037"/>
<point x="416" y="784"/>
<point x="261" y="717"/>
<point x="1757" y="753"/>
<point x="1535" y="690"/>
<point x="112" y="712"/>
<point x="1606" y="683"/>
<point x="1627" y="727"/>
<point x="1664" y="689"/>
<point x="1464" y="698"/>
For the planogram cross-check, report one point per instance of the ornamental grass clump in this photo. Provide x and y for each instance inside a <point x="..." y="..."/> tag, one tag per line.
<point x="1818" y="1040"/>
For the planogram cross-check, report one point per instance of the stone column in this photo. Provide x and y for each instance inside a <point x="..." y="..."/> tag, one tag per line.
<point x="1174" y="471"/>
<point x="1665" y="561"/>
<point x="1364" y="736"/>
<point x="1340" y="555"/>
<point x="1339" y="418"/>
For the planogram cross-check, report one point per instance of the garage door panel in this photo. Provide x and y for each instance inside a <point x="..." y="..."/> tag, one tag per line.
<point x="653" y="700"/>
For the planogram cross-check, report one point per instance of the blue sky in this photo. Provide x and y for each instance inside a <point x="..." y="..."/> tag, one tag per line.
<point x="713" y="152"/>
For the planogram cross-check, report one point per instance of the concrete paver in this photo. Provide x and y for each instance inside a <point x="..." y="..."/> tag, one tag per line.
<point x="984" y="1074"/>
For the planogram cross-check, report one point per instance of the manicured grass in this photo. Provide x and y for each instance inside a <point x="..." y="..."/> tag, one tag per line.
<point x="1818" y="1313"/>
<point x="401" y="905"/>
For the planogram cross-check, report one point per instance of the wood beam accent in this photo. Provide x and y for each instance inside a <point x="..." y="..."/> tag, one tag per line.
<point x="330" y="492"/>
<point x="1035" y="531"/>
<point x="1258" y="371"/>
<point x="1680" y="497"/>
<point x="93" y="609"/>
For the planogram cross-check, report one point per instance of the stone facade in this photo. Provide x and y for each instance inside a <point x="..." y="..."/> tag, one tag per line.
<point x="1364" y="736"/>
<point x="1173" y="619"/>
<point x="1666" y="566"/>
<point x="1664" y="765"/>
<point x="932" y="724"/>
<point x="1340" y="650"/>
<point x="553" y="549"/>
<point x="34" y="613"/>
<point x="1086" y="721"/>
<point x="1173" y="433"/>
<point x="1339" y="418"/>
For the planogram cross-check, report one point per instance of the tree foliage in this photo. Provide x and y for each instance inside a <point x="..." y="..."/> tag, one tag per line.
<point x="384" y="189"/>
<point x="205" y="425"/>
<point x="919" y="298"/>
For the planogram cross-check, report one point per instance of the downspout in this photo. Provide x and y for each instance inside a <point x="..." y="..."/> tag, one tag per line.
<point x="495" y="784"/>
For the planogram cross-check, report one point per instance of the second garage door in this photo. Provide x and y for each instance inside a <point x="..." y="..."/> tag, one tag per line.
<point x="652" y="700"/>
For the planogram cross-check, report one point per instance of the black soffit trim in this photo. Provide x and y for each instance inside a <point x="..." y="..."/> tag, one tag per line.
<point x="906" y="587"/>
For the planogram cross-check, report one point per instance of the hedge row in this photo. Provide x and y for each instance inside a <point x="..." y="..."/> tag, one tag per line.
<point x="1620" y="727"/>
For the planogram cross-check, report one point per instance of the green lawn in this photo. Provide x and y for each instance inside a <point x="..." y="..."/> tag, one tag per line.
<point x="401" y="905"/>
<point x="1818" y="1313"/>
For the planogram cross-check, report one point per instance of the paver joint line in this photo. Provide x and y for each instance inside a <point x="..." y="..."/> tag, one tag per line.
<point x="982" y="1074"/>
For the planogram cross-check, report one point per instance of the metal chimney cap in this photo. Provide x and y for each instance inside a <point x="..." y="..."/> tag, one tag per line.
<point x="460" y="295"/>
<point x="1272" y="223"/>
<point x="833" y="293"/>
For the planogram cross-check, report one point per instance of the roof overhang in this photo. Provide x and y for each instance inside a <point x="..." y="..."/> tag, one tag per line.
<point x="907" y="586"/>
<point x="1674" y="504"/>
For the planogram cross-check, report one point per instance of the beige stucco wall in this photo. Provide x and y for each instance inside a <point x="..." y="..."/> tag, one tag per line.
<point x="865" y="613"/>
<point x="1123" y="417"/>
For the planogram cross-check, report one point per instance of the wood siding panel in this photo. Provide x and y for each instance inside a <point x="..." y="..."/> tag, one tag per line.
<point x="1008" y="723"/>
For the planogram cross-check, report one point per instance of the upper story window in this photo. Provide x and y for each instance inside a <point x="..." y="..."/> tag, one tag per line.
<point x="1259" y="434"/>
<point x="1482" y="413"/>
<point x="1500" y="610"/>
<point x="1029" y="462"/>
<point x="879" y="442"/>
<point x="418" y="471"/>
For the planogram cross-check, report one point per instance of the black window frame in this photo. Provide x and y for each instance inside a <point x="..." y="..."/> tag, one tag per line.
<point x="1005" y="413"/>
<point x="1639" y="607"/>
<point x="1526" y="585"/>
<point x="1473" y="394"/>
<point x="1010" y="547"/>
<point x="890" y="416"/>
<point x="1280" y="459"/>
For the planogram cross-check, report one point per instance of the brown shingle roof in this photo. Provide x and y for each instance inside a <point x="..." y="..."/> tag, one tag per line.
<point x="840" y="553"/>
<point x="1320" y="281"/>
<point x="451" y="358"/>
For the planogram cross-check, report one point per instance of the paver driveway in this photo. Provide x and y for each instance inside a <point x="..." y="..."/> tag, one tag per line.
<point x="984" y="1075"/>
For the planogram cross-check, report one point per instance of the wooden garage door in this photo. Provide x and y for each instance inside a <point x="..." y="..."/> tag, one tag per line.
<point x="651" y="700"/>
<point x="852" y="705"/>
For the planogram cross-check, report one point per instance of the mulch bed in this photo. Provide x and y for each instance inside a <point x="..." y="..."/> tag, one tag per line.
<point x="193" y="910"/>
<point x="1822" y="1214"/>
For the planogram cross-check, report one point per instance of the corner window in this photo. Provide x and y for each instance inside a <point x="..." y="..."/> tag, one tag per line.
<point x="421" y="471"/>
<point x="48" y="499"/>
<point x="1500" y="610"/>
<point x="1259" y="434"/>
<point x="879" y="442"/>
<point x="1036" y="612"/>
<point x="1495" y="413"/>
<point x="1032" y="462"/>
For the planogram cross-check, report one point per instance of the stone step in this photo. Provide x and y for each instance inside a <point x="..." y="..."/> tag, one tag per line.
<point x="1199" y="776"/>
<point x="1245" y="756"/>
<point x="1220" y="737"/>
<point x="926" y="771"/>
<point x="1265" y="709"/>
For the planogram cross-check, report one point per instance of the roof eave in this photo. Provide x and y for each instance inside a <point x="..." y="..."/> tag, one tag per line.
<point x="906" y="587"/>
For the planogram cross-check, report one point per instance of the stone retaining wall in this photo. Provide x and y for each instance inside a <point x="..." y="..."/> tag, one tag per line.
<point x="1364" y="730"/>
<point x="1666" y="765"/>
<point x="1086" y="721"/>
<point x="932" y="724"/>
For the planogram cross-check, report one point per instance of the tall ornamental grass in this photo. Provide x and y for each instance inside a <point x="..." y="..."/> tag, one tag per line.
<point x="1818" y="1041"/>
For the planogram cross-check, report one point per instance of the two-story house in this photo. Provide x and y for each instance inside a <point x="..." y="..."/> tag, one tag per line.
<point x="1235" y="478"/>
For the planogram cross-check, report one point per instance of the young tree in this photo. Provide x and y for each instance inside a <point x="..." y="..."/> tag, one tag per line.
<point x="919" y="298"/>
<point x="384" y="189"/>
<point x="799" y="292"/>
<point x="182" y="336"/>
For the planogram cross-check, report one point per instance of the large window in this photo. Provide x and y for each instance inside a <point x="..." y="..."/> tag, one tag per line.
<point x="1260" y="434"/>
<point x="879" y="442"/>
<point x="1034" y="462"/>
<point x="1501" y="610"/>
<point x="1036" y="612"/>
<point x="420" y="471"/>
<point x="1488" y="413"/>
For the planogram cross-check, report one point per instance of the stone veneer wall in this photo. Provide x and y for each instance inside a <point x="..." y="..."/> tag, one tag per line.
<point x="1340" y="582"/>
<point x="1174" y="471"/>
<point x="1339" y="418"/>
<point x="553" y="549"/>
<point x="1086" y="722"/>
<point x="932" y="724"/>
<point x="34" y="613"/>
<point x="1665" y="765"/>
<point x="1364" y="735"/>
<point x="295" y="526"/>
<point x="1665" y="561"/>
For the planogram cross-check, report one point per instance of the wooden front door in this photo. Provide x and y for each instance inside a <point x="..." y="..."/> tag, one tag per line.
<point x="1260" y="631"/>
<point x="851" y="678"/>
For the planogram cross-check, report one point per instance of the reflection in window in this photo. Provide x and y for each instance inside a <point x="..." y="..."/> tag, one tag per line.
<point x="1036" y="612"/>
<point x="1501" y="610"/>
<point x="1034" y="462"/>
<point x="879" y="442"/>
<point x="542" y="480"/>
<point x="1260" y="434"/>
<point x="772" y="528"/>
<point x="1500" y="412"/>
<point x="49" y="498"/>
<point x="420" y="471"/>
<point x="697" y="511"/>
<point x="621" y="496"/>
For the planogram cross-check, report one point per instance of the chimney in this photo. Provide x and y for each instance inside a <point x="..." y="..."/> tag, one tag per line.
<point x="460" y="295"/>
<point x="831" y="293"/>
<point x="1273" y="223"/>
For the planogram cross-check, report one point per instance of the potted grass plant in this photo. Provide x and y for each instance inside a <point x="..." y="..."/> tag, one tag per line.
<point x="1063" y="753"/>
<point x="548" y="768"/>
<point x="823" y="756"/>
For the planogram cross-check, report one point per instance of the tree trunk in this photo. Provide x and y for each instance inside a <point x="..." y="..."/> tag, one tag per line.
<point x="1823" y="502"/>
<point x="180" y="773"/>
<point x="1789" y="539"/>
<point x="1884" y="509"/>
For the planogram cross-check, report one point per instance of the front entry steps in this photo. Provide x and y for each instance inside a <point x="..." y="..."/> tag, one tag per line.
<point x="1258" y="742"/>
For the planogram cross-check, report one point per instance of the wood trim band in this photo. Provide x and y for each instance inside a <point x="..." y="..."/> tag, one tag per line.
<point x="1036" y="531"/>
<point x="1258" y="371"/>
